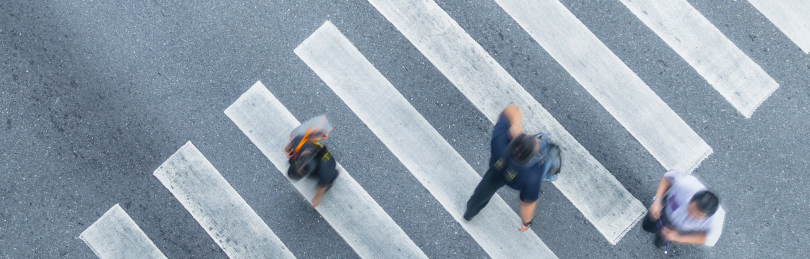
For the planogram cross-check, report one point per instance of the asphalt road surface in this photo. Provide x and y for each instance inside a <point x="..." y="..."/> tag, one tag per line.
<point x="96" y="95"/>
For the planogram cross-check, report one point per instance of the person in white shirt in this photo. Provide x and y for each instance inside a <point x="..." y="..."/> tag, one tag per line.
<point x="684" y="211"/>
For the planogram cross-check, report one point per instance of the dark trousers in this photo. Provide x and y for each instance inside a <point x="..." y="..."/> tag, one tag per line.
<point x="650" y="226"/>
<point x="490" y="183"/>
<point x="655" y="226"/>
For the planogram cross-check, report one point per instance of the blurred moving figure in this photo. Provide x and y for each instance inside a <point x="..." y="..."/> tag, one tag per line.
<point x="519" y="161"/>
<point x="308" y="157"/>
<point x="684" y="211"/>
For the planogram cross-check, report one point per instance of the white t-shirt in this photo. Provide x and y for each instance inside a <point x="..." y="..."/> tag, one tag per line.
<point x="680" y="194"/>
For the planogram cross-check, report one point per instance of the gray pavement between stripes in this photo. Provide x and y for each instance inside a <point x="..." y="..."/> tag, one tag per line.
<point x="94" y="96"/>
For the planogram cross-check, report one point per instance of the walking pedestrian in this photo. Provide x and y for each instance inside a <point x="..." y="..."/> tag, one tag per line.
<point x="308" y="157"/>
<point x="684" y="211"/>
<point x="517" y="160"/>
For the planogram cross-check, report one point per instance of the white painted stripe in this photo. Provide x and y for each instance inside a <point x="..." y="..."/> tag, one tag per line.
<point x="346" y="206"/>
<point x="584" y="181"/>
<point x="419" y="147"/>
<point x="211" y="200"/>
<point x="792" y="17"/>
<point x="115" y="235"/>
<point x="662" y="132"/>
<point x="741" y="81"/>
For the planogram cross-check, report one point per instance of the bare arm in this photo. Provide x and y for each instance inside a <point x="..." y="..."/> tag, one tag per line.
<point x="672" y="235"/>
<point x="512" y="113"/>
<point x="317" y="199"/>
<point x="663" y="186"/>
<point x="526" y="213"/>
<point x="655" y="208"/>
<point x="694" y="238"/>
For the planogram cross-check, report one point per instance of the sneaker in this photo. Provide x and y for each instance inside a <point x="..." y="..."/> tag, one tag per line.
<point x="551" y="179"/>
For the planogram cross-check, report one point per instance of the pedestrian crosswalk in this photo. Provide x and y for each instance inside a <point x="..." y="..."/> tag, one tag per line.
<point x="357" y="217"/>
<point x="116" y="235"/>
<point x="347" y="207"/>
<point x="625" y="96"/>
<point x="216" y="206"/>
<point x="791" y="17"/>
<point x="733" y="74"/>
<point x="415" y="143"/>
<point x="490" y="88"/>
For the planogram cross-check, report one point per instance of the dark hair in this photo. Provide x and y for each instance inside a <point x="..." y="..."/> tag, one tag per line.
<point x="707" y="202"/>
<point x="522" y="149"/>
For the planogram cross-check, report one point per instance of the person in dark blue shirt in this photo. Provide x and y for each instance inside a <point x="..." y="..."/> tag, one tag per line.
<point x="514" y="163"/>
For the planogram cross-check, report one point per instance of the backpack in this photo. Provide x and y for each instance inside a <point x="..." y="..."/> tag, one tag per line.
<point x="550" y="153"/>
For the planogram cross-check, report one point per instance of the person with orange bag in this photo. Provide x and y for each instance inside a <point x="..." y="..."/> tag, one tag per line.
<point x="308" y="157"/>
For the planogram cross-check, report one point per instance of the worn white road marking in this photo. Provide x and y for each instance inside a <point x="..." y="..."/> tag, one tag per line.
<point x="662" y="132"/>
<point x="419" y="147"/>
<point x="741" y="81"/>
<point x="115" y="235"/>
<point x="346" y="206"/>
<point x="584" y="181"/>
<point x="211" y="200"/>
<point x="792" y="17"/>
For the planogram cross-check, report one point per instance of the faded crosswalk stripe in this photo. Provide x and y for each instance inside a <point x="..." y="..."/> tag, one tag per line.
<point x="585" y="182"/>
<point x="346" y="206"/>
<point x="115" y="235"/>
<point x="216" y="206"/>
<point x="419" y="147"/>
<point x="792" y="17"/>
<point x="741" y="81"/>
<point x="662" y="132"/>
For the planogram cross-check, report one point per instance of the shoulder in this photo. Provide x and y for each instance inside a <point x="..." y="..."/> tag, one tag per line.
<point x="719" y="215"/>
<point x="676" y="176"/>
<point x="502" y="123"/>
<point x="715" y="228"/>
<point x="532" y="189"/>
<point x="674" y="173"/>
<point x="716" y="221"/>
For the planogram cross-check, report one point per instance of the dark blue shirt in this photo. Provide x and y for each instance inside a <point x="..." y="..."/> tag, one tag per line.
<point x="327" y="168"/>
<point x="526" y="178"/>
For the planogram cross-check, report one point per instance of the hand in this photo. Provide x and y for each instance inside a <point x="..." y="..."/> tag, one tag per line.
<point x="523" y="226"/>
<point x="316" y="201"/>
<point x="523" y="229"/>
<point x="669" y="234"/>
<point x="655" y="210"/>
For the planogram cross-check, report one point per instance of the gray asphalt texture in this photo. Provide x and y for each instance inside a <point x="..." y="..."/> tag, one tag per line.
<point x="95" y="95"/>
